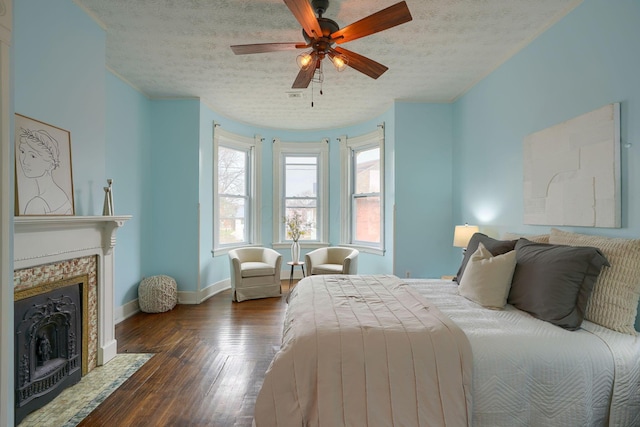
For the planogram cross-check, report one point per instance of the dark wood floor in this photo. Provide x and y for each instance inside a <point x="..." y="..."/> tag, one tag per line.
<point x="209" y="364"/>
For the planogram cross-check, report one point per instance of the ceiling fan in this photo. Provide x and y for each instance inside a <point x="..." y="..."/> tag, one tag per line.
<point x="321" y="34"/>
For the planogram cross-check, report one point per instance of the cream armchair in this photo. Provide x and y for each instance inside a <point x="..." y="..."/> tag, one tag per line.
<point x="255" y="273"/>
<point x="332" y="260"/>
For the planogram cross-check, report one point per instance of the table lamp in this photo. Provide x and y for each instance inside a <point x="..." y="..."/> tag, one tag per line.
<point x="462" y="235"/>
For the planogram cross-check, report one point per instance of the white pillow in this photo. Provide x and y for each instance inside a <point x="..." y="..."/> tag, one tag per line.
<point x="487" y="278"/>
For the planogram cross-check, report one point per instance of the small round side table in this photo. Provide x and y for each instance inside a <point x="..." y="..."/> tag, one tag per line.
<point x="293" y="265"/>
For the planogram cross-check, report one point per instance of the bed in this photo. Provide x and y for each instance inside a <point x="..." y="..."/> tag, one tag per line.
<point x="377" y="350"/>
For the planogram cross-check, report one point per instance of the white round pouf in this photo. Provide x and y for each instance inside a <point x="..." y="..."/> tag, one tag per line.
<point x="157" y="294"/>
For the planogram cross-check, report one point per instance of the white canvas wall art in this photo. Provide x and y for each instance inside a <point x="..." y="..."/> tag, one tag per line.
<point x="572" y="171"/>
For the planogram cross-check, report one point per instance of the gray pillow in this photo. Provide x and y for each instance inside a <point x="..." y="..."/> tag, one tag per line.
<point x="496" y="247"/>
<point x="554" y="282"/>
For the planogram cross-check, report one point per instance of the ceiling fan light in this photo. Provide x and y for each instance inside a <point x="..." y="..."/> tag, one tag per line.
<point x="339" y="61"/>
<point x="304" y="60"/>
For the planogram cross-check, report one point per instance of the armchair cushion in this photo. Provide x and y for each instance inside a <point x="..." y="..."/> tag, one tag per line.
<point x="327" y="269"/>
<point x="253" y="269"/>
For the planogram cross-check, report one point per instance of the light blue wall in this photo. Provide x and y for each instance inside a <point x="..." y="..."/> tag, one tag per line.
<point x="129" y="165"/>
<point x="174" y="188"/>
<point x="59" y="78"/>
<point x="424" y="219"/>
<point x="589" y="59"/>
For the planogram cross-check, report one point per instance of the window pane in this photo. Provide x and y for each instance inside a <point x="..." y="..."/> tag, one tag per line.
<point x="301" y="176"/>
<point x="367" y="219"/>
<point x="367" y="179"/>
<point x="309" y="160"/>
<point x="231" y="226"/>
<point x="300" y="203"/>
<point x="309" y="217"/>
<point x="232" y="171"/>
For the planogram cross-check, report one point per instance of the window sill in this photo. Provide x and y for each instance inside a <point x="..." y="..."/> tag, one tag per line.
<point x="303" y="245"/>
<point x="365" y="249"/>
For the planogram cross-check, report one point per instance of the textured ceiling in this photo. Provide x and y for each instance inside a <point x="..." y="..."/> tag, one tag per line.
<point x="180" y="48"/>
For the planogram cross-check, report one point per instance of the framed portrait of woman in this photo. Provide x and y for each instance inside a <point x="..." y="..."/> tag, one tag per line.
<point x="44" y="182"/>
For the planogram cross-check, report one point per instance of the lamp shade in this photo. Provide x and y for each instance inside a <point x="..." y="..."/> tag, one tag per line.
<point x="462" y="235"/>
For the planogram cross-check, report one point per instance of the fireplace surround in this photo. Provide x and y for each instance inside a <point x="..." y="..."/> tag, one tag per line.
<point x="51" y="253"/>
<point x="47" y="240"/>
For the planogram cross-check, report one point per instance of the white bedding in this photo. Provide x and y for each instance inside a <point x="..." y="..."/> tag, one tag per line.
<point x="527" y="372"/>
<point x="366" y="351"/>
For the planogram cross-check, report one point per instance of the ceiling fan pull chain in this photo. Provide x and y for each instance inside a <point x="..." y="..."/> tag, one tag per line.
<point x="311" y="93"/>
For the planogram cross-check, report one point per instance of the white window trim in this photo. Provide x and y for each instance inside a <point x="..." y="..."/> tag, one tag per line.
<point x="245" y="143"/>
<point x="347" y="146"/>
<point x="316" y="148"/>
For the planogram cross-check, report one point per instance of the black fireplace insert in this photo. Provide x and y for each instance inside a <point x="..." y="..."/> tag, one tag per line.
<point x="48" y="346"/>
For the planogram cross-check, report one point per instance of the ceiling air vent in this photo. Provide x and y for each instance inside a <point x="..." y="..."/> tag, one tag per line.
<point x="294" y="95"/>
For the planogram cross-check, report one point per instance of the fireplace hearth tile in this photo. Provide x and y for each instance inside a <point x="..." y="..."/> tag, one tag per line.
<point x="76" y="402"/>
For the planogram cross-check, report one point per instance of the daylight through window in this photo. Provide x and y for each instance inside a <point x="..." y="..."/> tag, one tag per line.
<point x="236" y="159"/>
<point x="366" y="196"/>
<point x="233" y="198"/>
<point x="301" y="192"/>
<point x="301" y="187"/>
<point x="362" y="190"/>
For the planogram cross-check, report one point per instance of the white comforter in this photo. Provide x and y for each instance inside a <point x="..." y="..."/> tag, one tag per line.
<point x="527" y="372"/>
<point x="366" y="351"/>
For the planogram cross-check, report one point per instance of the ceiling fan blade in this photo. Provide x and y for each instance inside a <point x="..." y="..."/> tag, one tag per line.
<point x="379" y="21"/>
<point x="305" y="15"/>
<point x="305" y="75"/>
<point x="243" y="49"/>
<point x="361" y="63"/>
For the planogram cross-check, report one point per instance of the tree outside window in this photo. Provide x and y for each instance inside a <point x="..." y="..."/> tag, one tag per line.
<point x="236" y="164"/>
<point x="232" y="195"/>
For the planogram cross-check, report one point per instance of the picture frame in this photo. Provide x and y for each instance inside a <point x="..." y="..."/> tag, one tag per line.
<point x="44" y="180"/>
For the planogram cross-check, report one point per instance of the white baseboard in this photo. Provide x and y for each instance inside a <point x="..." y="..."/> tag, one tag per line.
<point x="190" y="297"/>
<point x="107" y="352"/>
<point x="184" y="297"/>
<point x="214" y="289"/>
<point x="127" y="310"/>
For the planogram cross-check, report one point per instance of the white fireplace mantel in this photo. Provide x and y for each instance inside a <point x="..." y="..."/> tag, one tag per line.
<point x="47" y="239"/>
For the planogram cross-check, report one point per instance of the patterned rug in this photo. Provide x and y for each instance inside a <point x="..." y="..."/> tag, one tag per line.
<point x="76" y="402"/>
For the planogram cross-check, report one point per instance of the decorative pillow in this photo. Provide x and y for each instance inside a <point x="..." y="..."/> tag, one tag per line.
<point x="496" y="247"/>
<point x="537" y="238"/>
<point x="553" y="282"/>
<point x="487" y="278"/>
<point x="614" y="302"/>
